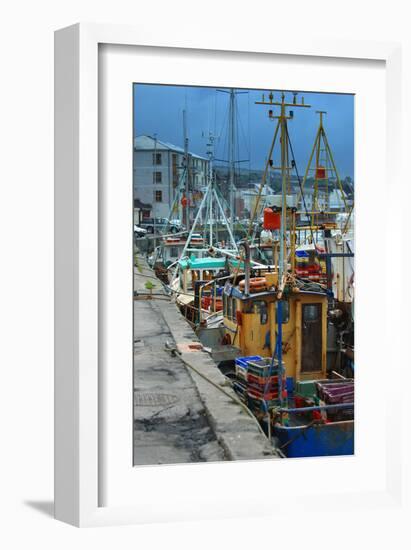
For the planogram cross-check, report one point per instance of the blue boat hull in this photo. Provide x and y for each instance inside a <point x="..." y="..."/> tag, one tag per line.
<point x="333" y="439"/>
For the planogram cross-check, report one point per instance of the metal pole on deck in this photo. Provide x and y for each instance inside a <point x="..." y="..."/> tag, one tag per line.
<point x="187" y="208"/>
<point x="155" y="190"/>
<point x="231" y="156"/>
<point x="282" y="268"/>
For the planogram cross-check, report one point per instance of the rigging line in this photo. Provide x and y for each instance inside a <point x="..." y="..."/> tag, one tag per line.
<point x="215" y="112"/>
<point x="299" y="180"/>
<point x="242" y="131"/>
<point x="237" y="141"/>
<point x="223" y="125"/>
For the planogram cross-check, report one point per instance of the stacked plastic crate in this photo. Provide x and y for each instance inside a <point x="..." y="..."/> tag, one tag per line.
<point x="241" y="368"/>
<point x="257" y="379"/>
<point x="262" y="379"/>
<point x="335" y="392"/>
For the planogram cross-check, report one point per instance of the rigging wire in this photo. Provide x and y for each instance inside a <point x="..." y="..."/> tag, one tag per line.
<point x="249" y="136"/>
<point x="299" y="181"/>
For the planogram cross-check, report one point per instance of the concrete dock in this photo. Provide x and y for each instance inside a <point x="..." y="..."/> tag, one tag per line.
<point x="180" y="416"/>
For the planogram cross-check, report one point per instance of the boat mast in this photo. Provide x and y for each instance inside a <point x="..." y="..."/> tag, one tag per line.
<point x="282" y="268"/>
<point x="209" y="215"/>
<point x="155" y="194"/>
<point x="281" y="127"/>
<point x="232" y="161"/>
<point x="324" y="168"/>
<point x="186" y="162"/>
<point x="285" y="182"/>
<point x="212" y="206"/>
<point x="231" y="155"/>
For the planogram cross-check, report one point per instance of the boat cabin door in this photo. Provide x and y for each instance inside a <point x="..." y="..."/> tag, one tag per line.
<point x="311" y="337"/>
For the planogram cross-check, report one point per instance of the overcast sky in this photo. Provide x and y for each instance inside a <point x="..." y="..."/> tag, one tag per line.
<point x="158" y="109"/>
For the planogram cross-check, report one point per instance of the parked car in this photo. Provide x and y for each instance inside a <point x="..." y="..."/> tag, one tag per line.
<point x="162" y="225"/>
<point x="139" y="232"/>
<point x="177" y="223"/>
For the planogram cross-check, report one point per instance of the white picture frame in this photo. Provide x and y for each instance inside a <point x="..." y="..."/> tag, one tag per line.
<point x="78" y="449"/>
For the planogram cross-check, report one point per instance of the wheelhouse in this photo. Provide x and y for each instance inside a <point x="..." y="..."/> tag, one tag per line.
<point x="250" y="323"/>
<point x="199" y="269"/>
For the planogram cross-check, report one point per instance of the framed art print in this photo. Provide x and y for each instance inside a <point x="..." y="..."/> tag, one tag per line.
<point x="210" y="239"/>
<point x="217" y="302"/>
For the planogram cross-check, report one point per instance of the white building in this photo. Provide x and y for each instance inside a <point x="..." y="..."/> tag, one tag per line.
<point x="158" y="167"/>
<point x="251" y="194"/>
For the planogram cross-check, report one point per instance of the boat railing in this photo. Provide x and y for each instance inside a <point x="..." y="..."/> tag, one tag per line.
<point x="316" y="408"/>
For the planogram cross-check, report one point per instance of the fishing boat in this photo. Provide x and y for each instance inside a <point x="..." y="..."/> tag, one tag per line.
<point x="204" y="257"/>
<point x="279" y="318"/>
<point x="264" y="323"/>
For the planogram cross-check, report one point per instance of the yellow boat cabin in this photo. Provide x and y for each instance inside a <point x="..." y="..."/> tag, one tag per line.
<point x="250" y="324"/>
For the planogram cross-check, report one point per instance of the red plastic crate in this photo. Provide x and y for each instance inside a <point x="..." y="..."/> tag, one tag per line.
<point x="262" y="380"/>
<point x="267" y="396"/>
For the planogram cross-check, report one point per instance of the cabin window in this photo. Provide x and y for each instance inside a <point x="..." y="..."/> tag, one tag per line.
<point x="260" y="308"/>
<point x="229" y="308"/>
<point x="286" y="311"/>
<point x="311" y="338"/>
<point x="234" y="309"/>
<point x="173" y="251"/>
<point x="248" y="307"/>
<point x="311" y="312"/>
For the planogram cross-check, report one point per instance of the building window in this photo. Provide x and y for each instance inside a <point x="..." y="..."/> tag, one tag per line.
<point x="156" y="177"/>
<point x="175" y="170"/>
<point x="158" y="196"/>
<point x="157" y="158"/>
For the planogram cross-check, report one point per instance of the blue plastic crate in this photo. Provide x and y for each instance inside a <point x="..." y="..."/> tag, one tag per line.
<point x="243" y="361"/>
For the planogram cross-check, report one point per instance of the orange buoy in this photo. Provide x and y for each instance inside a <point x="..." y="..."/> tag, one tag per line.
<point x="257" y="284"/>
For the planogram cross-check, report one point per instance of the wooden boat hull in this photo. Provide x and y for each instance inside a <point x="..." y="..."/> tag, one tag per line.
<point x="333" y="439"/>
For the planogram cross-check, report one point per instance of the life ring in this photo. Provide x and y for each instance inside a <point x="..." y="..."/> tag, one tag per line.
<point x="256" y="284"/>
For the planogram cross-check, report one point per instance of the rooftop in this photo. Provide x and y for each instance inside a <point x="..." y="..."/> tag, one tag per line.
<point x="148" y="143"/>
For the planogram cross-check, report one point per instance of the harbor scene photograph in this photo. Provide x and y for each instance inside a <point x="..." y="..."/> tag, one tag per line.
<point x="244" y="274"/>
